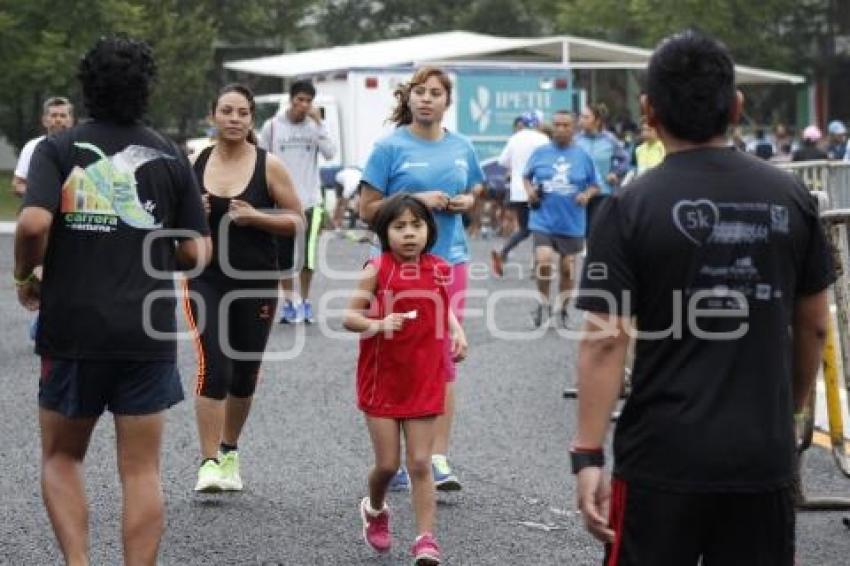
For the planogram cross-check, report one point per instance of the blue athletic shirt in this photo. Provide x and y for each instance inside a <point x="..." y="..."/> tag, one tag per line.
<point x="562" y="173"/>
<point x="403" y="162"/>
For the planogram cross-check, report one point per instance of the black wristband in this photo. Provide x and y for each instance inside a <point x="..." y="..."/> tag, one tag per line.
<point x="580" y="459"/>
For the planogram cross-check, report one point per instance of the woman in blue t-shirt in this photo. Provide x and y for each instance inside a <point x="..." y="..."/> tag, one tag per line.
<point x="440" y="168"/>
<point x="608" y="154"/>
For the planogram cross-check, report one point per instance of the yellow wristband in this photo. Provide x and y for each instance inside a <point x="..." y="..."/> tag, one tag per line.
<point x="28" y="279"/>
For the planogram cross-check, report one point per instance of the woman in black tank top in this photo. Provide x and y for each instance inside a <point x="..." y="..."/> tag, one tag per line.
<point x="247" y="248"/>
<point x="249" y="199"/>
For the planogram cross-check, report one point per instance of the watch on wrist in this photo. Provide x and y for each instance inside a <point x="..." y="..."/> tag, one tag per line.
<point x="581" y="458"/>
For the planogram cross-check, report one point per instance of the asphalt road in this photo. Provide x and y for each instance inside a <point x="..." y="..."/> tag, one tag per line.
<point x="305" y="452"/>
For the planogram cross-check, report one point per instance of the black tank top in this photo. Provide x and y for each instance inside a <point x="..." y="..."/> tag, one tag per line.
<point x="248" y="248"/>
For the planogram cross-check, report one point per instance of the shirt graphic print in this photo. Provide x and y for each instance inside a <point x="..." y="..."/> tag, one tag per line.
<point x="95" y="198"/>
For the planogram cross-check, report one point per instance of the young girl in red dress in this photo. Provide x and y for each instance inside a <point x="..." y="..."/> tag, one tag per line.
<point x="401" y="308"/>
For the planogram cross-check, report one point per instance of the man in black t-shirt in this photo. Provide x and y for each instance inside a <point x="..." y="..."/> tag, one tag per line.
<point x="99" y="201"/>
<point x="722" y="261"/>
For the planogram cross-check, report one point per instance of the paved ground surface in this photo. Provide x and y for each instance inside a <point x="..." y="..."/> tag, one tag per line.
<point x="305" y="455"/>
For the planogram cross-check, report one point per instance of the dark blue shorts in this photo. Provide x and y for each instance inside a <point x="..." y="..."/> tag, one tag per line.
<point x="84" y="388"/>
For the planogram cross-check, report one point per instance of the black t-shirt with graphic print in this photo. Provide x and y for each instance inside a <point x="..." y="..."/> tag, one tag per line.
<point x="709" y="251"/>
<point x="109" y="187"/>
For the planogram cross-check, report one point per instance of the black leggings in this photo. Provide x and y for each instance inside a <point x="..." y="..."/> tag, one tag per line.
<point x="245" y="329"/>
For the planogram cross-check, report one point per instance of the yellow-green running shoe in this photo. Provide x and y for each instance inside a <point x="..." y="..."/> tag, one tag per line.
<point x="209" y="478"/>
<point x="231" y="480"/>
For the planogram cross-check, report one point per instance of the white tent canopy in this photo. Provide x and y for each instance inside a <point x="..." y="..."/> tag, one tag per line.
<point x="461" y="47"/>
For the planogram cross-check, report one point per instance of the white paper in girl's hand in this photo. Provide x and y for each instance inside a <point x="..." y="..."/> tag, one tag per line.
<point x="410" y="315"/>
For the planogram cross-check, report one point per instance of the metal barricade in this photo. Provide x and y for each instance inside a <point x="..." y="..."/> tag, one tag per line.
<point x="831" y="177"/>
<point x="831" y="182"/>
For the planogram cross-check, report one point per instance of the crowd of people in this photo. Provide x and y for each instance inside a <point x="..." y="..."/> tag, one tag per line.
<point x="664" y="220"/>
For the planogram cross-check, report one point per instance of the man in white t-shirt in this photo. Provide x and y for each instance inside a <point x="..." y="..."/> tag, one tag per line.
<point x="347" y="182"/>
<point x="519" y="148"/>
<point x="57" y="115"/>
<point x="297" y="137"/>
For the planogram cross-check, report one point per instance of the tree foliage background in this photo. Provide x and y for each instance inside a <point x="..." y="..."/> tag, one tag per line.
<point x="41" y="41"/>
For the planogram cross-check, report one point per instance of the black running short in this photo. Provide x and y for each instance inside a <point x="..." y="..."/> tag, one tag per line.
<point x="660" y="528"/>
<point x="563" y="245"/>
<point x="85" y="388"/>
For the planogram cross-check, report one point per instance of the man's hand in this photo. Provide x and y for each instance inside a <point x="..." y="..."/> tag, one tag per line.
<point x="593" y="489"/>
<point x="613" y="179"/>
<point x="315" y="114"/>
<point x="582" y="199"/>
<point x="205" y="200"/>
<point x="29" y="294"/>
<point x="533" y="195"/>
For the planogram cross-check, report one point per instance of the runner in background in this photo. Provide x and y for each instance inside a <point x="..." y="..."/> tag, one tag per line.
<point x="608" y="154"/>
<point x="241" y="184"/>
<point x="809" y="150"/>
<point x="514" y="157"/>
<point x="297" y="136"/>
<point x="57" y="116"/>
<point x="650" y="153"/>
<point x="347" y="181"/>
<point x="837" y="142"/>
<point x="560" y="179"/>
<point x="95" y="193"/>
<point x="441" y="169"/>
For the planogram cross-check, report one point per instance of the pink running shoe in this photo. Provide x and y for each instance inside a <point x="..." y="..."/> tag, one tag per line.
<point x="426" y="551"/>
<point x="376" y="528"/>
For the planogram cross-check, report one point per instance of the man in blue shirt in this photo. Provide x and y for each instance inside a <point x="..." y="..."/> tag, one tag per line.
<point x="560" y="178"/>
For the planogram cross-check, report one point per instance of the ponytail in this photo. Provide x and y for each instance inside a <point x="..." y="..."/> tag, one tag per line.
<point x="402" y="116"/>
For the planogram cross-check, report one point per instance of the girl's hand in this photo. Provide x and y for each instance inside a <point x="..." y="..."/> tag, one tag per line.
<point x="392" y="322"/>
<point x="241" y="212"/>
<point x="459" y="345"/>
<point x="205" y="199"/>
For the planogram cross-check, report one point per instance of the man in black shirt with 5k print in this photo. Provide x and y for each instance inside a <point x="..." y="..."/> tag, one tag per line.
<point x="715" y="254"/>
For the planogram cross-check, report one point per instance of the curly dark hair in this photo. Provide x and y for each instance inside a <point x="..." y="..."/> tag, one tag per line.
<point x="691" y="86"/>
<point x="117" y="75"/>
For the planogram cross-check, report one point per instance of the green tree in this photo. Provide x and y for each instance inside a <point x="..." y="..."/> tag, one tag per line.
<point x="776" y="34"/>
<point x="182" y="35"/>
<point x="41" y="44"/>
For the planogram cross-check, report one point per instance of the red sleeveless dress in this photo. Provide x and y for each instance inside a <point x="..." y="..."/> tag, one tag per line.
<point x="403" y="375"/>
